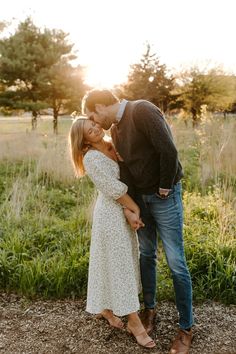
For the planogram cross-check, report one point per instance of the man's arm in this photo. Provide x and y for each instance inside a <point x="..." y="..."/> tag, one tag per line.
<point x="125" y="177"/>
<point x="150" y="121"/>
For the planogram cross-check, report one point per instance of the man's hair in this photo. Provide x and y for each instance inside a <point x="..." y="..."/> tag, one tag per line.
<point x="96" y="96"/>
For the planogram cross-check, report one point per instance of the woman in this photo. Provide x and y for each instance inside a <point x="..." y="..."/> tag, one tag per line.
<point x="114" y="279"/>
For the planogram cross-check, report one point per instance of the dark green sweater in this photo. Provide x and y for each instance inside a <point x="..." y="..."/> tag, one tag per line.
<point x="144" y="140"/>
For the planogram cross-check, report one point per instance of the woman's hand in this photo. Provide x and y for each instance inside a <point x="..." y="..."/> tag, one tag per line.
<point x="136" y="211"/>
<point x="133" y="219"/>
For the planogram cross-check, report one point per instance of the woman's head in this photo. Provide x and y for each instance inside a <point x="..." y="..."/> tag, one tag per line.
<point x="83" y="135"/>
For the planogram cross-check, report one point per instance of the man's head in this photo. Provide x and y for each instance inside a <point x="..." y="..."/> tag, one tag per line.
<point x="98" y="106"/>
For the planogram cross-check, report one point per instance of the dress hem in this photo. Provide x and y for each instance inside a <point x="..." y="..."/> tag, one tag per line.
<point x="116" y="313"/>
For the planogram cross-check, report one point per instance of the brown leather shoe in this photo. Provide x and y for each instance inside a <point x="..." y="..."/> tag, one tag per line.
<point x="182" y="342"/>
<point x="147" y="317"/>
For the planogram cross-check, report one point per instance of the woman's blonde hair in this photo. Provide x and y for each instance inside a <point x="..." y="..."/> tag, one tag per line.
<point x="78" y="147"/>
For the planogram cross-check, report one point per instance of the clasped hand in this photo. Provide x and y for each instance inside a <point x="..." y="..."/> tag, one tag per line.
<point x="133" y="219"/>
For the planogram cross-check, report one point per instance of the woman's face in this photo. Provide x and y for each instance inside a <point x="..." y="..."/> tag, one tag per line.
<point x="93" y="132"/>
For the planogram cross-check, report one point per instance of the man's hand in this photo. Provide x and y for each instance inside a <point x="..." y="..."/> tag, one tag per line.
<point x="132" y="218"/>
<point x="164" y="192"/>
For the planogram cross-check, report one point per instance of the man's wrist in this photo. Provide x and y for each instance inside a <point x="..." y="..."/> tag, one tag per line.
<point x="164" y="191"/>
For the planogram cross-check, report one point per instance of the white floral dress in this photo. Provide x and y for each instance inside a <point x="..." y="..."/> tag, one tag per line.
<point x="114" y="275"/>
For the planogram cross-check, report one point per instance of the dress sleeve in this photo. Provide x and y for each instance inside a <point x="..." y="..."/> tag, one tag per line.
<point x="98" y="170"/>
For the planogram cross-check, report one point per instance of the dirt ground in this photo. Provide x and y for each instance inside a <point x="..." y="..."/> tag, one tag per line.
<point x="57" y="327"/>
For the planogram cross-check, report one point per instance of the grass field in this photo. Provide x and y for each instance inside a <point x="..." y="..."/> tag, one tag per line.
<point x="45" y="213"/>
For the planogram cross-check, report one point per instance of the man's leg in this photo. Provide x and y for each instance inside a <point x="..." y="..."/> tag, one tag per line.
<point x="168" y="214"/>
<point x="148" y="248"/>
<point x="169" y="217"/>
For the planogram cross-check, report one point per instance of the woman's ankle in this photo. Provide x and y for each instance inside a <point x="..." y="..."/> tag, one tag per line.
<point x="107" y="313"/>
<point x="134" y="321"/>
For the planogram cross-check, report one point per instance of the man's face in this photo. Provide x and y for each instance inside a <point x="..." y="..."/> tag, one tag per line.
<point x="100" y="116"/>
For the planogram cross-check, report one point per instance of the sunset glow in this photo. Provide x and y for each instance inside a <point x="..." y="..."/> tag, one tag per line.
<point x="110" y="35"/>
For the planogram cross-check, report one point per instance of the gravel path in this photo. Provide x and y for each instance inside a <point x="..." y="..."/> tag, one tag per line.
<point x="45" y="327"/>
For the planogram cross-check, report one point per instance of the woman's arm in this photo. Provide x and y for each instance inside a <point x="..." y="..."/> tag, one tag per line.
<point x="133" y="220"/>
<point x="98" y="170"/>
<point x="131" y="211"/>
<point x="127" y="202"/>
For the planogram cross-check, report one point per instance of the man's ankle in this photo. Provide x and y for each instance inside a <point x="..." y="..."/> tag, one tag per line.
<point x="149" y="308"/>
<point x="186" y="329"/>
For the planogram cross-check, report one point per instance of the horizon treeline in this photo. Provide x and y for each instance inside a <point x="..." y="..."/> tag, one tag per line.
<point x="37" y="75"/>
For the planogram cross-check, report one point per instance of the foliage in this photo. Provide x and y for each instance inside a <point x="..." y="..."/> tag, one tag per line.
<point x="213" y="88"/>
<point x="149" y="80"/>
<point x="44" y="233"/>
<point x="45" y="218"/>
<point x="3" y="25"/>
<point x="210" y="250"/>
<point x="62" y="88"/>
<point x="22" y="59"/>
<point x="36" y="71"/>
<point x="189" y="90"/>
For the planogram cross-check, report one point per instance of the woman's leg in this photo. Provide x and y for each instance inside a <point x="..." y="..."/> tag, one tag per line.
<point x="113" y="320"/>
<point x="136" y="328"/>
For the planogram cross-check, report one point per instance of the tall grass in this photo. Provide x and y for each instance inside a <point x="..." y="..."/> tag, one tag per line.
<point x="208" y="154"/>
<point x="45" y="213"/>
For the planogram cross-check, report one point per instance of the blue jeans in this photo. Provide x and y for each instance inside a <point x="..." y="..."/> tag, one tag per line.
<point x="165" y="216"/>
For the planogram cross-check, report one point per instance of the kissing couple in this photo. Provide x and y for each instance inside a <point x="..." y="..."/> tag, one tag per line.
<point x="138" y="178"/>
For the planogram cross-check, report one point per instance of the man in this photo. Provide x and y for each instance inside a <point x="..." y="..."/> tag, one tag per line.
<point x="143" y="139"/>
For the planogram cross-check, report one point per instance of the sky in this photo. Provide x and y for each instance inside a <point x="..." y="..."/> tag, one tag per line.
<point x="110" y="35"/>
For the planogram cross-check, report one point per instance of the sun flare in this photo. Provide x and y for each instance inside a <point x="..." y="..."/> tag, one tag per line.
<point x="104" y="74"/>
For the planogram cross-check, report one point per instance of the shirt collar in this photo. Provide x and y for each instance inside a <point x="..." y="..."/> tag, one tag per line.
<point x="121" y="110"/>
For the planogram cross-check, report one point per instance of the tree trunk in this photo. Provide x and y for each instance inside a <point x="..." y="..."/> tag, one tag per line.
<point x="194" y="117"/>
<point x="34" y="120"/>
<point x="55" y="123"/>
